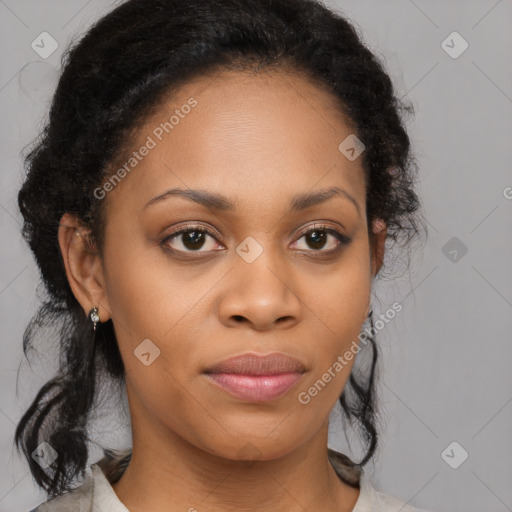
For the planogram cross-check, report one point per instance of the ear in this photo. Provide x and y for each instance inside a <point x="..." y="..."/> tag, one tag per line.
<point x="378" y="241"/>
<point x="377" y="244"/>
<point x="83" y="266"/>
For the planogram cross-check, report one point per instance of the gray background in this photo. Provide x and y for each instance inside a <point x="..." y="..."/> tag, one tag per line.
<point x="447" y="356"/>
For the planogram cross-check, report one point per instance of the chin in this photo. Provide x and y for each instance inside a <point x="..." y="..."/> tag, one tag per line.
<point x="251" y="448"/>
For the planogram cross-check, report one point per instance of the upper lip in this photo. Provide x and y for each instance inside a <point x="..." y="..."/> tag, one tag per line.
<point x="252" y="363"/>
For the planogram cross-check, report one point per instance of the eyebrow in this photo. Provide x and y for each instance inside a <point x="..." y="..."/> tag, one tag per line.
<point x="220" y="202"/>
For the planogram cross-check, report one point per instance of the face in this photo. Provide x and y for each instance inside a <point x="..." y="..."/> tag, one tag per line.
<point x="246" y="265"/>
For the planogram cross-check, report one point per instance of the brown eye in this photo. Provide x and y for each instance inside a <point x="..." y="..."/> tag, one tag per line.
<point x="190" y="239"/>
<point x="317" y="239"/>
<point x="323" y="239"/>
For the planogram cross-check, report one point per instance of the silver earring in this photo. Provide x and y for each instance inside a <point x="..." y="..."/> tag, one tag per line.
<point x="94" y="317"/>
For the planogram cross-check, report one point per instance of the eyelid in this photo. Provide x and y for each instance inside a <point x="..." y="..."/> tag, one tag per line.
<point x="191" y="225"/>
<point x="320" y="226"/>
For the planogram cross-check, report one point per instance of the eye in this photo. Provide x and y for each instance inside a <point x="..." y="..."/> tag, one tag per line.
<point x="317" y="238"/>
<point x="193" y="238"/>
<point x="190" y="239"/>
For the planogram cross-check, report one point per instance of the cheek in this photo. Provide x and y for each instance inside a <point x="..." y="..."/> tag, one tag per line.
<point x="156" y="301"/>
<point x="148" y="296"/>
<point x="338" y="296"/>
<point x="346" y="301"/>
<point x="150" y="302"/>
<point x="336" y="304"/>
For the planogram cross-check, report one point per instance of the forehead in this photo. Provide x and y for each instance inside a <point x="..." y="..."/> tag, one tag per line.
<point x="242" y="134"/>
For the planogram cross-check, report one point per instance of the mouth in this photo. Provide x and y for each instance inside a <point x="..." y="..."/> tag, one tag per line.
<point x="257" y="378"/>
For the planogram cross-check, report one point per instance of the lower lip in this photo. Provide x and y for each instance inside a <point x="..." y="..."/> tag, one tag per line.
<point x="256" y="388"/>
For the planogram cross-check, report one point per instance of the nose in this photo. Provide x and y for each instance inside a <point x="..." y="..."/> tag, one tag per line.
<point x="261" y="295"/>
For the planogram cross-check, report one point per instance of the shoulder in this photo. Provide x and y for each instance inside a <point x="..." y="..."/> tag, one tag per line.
<point x="94" y="494"/>
<point x="389" y="504"/>
<point x="371" y="499"/>
<point x="79" y="498"/>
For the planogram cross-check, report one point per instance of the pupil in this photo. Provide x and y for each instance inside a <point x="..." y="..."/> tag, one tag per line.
<point x="191" y="238"/>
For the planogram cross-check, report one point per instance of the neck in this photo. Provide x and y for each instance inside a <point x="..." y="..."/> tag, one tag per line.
<point x="179" y="476"/>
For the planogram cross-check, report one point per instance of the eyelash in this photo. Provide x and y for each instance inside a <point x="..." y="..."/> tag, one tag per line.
<point x="342" y="239"/>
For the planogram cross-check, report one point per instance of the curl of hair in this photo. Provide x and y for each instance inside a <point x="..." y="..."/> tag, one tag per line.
<point x="111" y="80"/>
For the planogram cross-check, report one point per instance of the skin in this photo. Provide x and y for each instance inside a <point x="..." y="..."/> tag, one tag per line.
<point x="258" y="140"/>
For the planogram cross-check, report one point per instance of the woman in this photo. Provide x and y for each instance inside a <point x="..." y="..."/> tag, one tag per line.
<point x="209" y="205"/>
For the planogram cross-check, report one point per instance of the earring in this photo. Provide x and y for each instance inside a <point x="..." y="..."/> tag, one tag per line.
<point x="94" y="316"/>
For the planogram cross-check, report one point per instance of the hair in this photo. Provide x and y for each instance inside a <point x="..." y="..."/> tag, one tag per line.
<point x="112" y="79"/>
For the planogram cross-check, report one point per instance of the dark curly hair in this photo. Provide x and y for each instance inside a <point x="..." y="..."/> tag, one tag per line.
<point x="112" y="79"/>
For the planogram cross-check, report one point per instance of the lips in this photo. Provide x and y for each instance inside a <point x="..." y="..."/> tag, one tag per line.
<point x="254" y="364"/>
<point x="255" y="377"/>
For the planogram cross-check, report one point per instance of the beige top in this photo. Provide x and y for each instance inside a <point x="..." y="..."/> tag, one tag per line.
<point x="96" y="494"/>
